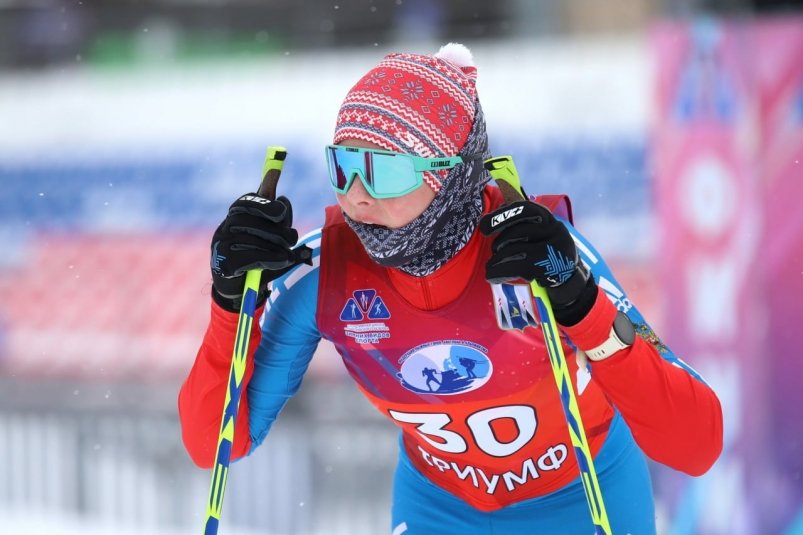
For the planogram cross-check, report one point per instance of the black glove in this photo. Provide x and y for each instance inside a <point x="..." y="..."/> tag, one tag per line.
<point x="257" y="233"/>
<point x="534" y="246"/>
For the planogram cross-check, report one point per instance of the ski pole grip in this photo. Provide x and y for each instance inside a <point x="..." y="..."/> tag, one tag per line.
<point x="503" y="171"/>
<point x="271" y="170"/>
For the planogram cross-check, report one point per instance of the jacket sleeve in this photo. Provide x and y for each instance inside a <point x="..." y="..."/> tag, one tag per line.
<point x="200" y="400"/>
<point x="280" y="349"/>
<point x="675" y="417"/>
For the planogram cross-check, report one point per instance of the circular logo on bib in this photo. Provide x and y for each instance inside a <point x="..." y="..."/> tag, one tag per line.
<point x="445" y="367"/>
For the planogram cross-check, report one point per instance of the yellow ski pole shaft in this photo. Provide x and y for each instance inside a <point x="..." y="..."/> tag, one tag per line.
<point x="503" y="171"/>
<point x="274" y="161"/>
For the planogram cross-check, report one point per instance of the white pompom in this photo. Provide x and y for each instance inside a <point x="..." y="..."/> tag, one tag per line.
<point x="457" y="54"/>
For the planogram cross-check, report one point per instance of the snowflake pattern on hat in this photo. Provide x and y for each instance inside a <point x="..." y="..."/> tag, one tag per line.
<point x="412" y="90"/>
<point x="411" y="103"/>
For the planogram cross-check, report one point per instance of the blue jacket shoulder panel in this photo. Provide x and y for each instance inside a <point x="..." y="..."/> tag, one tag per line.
<point x="290" y="336"/>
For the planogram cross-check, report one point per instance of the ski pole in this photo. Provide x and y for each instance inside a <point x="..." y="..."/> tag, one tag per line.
<point x="272" y="168"/>
<point x="503" y="171"/>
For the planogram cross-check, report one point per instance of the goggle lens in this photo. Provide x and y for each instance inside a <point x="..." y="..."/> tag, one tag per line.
<point x="384" y="174"/>
<point x="341" y="163"/>
<point x="393" y="175"/>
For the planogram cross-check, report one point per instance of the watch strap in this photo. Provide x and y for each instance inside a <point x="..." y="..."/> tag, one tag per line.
<point x="622" y="335"/>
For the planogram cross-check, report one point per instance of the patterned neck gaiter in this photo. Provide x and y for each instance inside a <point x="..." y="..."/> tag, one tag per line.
<point x="443" y="229"/>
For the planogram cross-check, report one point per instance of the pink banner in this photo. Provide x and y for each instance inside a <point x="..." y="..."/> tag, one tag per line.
<point x="706" y="190"/>
<point x="728" y="154"/>
<point x="778" y="68"/>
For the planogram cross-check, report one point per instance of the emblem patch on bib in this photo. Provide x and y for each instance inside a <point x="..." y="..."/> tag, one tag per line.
<point x="514" y="306"/>
<point x="445" y="367"/>
<point x="362" y="312"/>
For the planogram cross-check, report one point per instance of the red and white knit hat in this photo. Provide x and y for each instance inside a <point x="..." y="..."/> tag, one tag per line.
<point x="415" y="104"/>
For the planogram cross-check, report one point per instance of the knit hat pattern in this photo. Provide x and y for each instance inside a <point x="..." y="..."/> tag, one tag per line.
<point x="415" y="104"/>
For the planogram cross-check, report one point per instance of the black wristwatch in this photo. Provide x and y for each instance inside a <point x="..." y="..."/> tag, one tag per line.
<point x="622" y="335"/>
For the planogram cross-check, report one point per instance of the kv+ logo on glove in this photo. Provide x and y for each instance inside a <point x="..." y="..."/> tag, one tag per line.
<point x="531" y="245"/>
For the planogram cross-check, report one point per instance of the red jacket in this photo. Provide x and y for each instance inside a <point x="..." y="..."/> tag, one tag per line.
<point x="675" y="418"/>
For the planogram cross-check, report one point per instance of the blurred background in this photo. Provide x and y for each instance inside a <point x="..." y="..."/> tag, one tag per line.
<point x="128" y="126"/>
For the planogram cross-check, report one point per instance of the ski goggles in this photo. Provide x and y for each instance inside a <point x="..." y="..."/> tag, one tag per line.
<point x="385" y="174"/>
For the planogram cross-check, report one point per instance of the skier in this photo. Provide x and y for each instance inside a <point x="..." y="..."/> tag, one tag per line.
<point x="469" y="364"/>
<point x="417" y="222"/>
<point x="429" y="373"/>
